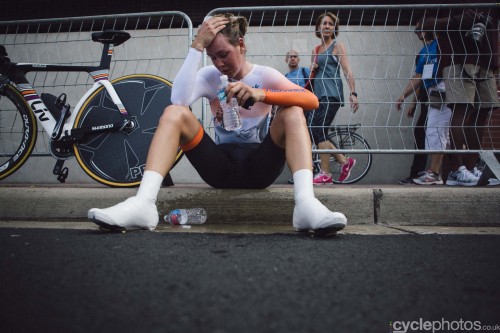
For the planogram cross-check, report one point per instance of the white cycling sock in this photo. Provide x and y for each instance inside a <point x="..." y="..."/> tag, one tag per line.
<point x="303" y="184"/>
<point x="309" y="213"/>
<point x="150" y="185"/>
<point x="137" y="212"/>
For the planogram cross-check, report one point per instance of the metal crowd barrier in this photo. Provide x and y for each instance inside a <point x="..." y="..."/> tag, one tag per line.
<point x="380" y="42"/>
<point x="381" y="47"/>
<point x="158" y="46"/>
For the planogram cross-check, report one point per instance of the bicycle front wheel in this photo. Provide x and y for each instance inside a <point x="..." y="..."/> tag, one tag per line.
<point x="118" y="158"/>
<point x="350" y="141"/>
<point x="18" y="130"/>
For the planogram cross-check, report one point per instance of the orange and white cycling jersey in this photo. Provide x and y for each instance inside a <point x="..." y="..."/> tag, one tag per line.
<point x="190" y="84"/>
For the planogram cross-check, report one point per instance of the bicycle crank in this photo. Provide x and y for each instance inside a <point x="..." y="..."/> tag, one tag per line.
<point x="61" y="150"/>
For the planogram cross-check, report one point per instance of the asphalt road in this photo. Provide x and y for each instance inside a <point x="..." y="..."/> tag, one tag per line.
<point x="89" y="281"/>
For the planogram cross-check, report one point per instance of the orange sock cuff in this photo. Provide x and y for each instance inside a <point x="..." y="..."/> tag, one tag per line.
<point x="193" y="143"/>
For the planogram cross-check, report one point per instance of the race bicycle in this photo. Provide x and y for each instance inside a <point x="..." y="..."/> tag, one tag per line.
<point x="109" y="131"/>
<point x="344" y="137"/>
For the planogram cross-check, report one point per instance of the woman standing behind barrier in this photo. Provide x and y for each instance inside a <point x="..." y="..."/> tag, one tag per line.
<point x="327" y="59"/>
<point x="246" y="158"/>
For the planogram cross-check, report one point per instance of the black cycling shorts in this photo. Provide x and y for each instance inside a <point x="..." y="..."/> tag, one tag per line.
<point x="240" y="166"/>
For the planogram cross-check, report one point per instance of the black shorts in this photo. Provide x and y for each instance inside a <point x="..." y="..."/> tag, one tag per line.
<point x="252" y="165"/>
<point x="319" y="120"/>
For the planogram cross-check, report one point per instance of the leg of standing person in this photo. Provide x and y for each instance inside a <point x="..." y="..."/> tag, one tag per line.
<point x="459" y="174"/>
<point x="486" y="101"/>
<point x="469" y="84"/>
<point x="460" y="97"/>
<point x="457" y="133"/>
<point x="321" y="121"/>
<point x="437" y="138"/>
<point x="419" y="162"/>
<point x="475" y="131"/>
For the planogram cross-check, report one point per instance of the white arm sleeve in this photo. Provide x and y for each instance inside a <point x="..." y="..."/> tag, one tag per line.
<point x="188" y="85"/>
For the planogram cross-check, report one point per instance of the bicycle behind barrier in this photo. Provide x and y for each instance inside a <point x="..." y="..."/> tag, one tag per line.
<point x="344" y="137"/>
<point x="109" y="131"/>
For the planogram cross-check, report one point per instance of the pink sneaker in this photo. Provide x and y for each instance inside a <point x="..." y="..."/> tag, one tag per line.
<point x="322" y="178"/>
<point x="346" y="169"/>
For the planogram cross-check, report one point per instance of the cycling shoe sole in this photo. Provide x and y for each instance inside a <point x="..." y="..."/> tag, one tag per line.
<point x="322" y="232"/>
<point x="108" y="227"/>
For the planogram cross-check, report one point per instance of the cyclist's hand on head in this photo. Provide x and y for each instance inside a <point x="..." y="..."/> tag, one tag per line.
<point x="244" y="93"/>
<point x="207" y="32"/>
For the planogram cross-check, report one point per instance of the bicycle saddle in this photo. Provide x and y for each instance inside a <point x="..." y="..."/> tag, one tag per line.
<point x="115" y="37"/>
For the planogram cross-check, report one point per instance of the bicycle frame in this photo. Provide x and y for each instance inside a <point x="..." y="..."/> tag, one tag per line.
<point x="16" y="72"/>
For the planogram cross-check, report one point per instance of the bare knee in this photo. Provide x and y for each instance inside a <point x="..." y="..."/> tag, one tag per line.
<point x="180" y="120"/>
<point x="292" y="116"/>
<point x="174" y="114"/>
<point x="289" y="123"/>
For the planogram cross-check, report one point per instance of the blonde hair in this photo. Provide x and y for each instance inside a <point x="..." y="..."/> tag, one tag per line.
<point x="235" y="29"/>
<point x="335" y="20"/>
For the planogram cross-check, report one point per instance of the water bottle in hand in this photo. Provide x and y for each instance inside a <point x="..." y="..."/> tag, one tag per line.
<point x="230" y="111"/>
<point x="186" y="216"/>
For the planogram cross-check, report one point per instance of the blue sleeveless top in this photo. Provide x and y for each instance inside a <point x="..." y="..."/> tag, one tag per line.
<point x="328" y="81"/>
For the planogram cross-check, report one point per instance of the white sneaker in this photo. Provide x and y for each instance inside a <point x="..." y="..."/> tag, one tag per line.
<point x="428" y="178"/>
<point x="133" y="213"/>
<point x="493" y="182"/>
<point x="477" y="173"/>
<point x="462" y="177"/>
<point x="312" y="216"/>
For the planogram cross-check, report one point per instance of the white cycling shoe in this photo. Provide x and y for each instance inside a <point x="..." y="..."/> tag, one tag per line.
<point x="133" y="213"/>
<point x="312" y="216"/>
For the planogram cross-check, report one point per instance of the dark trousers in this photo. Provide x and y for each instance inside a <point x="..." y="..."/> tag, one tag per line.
<point x="419" y="160"/>
<point x="467" y="129"/>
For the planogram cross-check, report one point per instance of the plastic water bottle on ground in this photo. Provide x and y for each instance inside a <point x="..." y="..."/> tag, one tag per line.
<point x="231" y="111"/>
<point x="186" y="216"/>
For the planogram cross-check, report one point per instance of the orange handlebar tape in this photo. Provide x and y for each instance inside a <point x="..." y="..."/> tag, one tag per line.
<point x="298" y="97"/>
<point x="193" y="143"/>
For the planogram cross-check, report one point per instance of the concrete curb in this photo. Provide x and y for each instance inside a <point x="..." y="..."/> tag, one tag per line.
<point x="363" y="205"/>
<point x="418" y="205"/>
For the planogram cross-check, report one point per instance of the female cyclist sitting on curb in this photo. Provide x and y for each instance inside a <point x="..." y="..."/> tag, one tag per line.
<point x="251" y="157"/>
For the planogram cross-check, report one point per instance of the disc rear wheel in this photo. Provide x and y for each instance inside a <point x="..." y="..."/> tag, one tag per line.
<point x="118" y="158"/>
